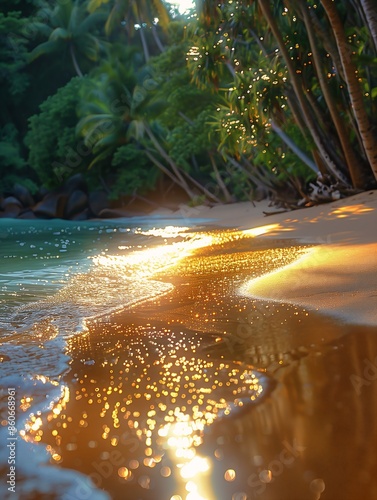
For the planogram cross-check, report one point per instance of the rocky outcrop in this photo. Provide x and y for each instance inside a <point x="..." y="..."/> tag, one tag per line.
<point x="76" y="204"/>
<point x="72" y="201"/>
<point x="51" y="207"/>
<point x="23" y="195"/>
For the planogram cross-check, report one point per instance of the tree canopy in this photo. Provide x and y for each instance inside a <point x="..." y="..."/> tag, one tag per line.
<point x="231" y="101"/>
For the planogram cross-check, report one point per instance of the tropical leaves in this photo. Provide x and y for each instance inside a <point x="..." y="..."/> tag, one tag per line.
<point x="71" y="27"/>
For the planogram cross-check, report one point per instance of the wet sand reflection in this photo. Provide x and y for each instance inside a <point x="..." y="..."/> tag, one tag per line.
<point x="207" y="394"/>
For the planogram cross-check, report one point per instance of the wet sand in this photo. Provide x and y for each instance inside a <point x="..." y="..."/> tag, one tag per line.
<point x="209" y="393"/>
<point x="340" y="276"/>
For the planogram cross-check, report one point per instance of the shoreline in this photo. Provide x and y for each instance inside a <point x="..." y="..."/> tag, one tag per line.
<point x="338" y="276"/>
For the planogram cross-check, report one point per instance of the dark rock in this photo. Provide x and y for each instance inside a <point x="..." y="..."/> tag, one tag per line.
<point x="23" y="194"/>
<point x="27" y="214"/>
<point x="11" y="211"/>
<point x="77" y="202"/>
<point x="10" y="200"/>
<point x="111" y="213"/>
<point x="98" y="201"/>
<point x="75" y="183"/>
<point x="52" y="206"/>
<point x="42" y="192"/>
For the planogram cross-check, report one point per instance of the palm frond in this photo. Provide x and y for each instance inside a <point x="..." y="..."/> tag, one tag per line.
<point x="102" y="156"/>
<point x="93" y="20"/>
<point x="62" y="13"/>
<point x="60" y="34"/>
<point x="48" y="47"/>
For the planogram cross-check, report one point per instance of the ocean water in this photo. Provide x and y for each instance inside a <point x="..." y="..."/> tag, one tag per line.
<point x="54" y="275"/>
<point x="140" y="371"/>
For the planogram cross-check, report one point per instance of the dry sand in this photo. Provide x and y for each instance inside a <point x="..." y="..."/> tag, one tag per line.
<point x="338" y="275"/>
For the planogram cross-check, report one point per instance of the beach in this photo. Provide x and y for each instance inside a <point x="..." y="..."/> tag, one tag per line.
<point x="338" y="276"/>
<point x="221" y="353"/>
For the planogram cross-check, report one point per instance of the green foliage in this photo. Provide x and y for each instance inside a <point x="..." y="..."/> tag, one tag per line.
<point x="12" y="164"/>
<point x="9" y="148"/>
<point x="13" y="50"/>
<point x="54" y="150"/>
<point x="216" y="109"/>
<point x="134" y="173"/>
<point x="192" y="138"/>
<point x="70" y="29"/>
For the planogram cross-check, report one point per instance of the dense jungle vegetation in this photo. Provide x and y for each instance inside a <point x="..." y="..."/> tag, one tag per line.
<point x="233" y="100"/>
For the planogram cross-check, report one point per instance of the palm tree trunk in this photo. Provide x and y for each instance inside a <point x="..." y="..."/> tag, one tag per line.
<point x="157" y="39"/>
<point x="370" y="11"/>
<point x="202" y="188"/>
<point x="354" y="165"/>
<point x="144" y="44"/>
<point x="167" y="158"/>
<point x="220" y="182"/>
<point x="177" y="171"/>
<point x="142" y="35"/>
<point x="167" y="172"/>
<point x="354" y="88"/>
<point x="330" y="165"/>
<point x="74" y="61"/>
<point x="298" y="152"/>
<point x="253" y="178"/>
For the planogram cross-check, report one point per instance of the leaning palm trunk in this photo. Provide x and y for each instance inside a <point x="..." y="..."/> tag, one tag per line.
<point x="283" y="136"/>
<point x="144" y="44"/>
<point x="74" y="60"/>
<point x="310" y="123"/>
<point x="156" y="38"/>
<point x="179" y="175"/>
<point x="169" y="174"/>
<point x="293" y="147"/>
<point x="354" y="89"/>
<point x="370" y="11"/>
<point x="354" y="165"/>
<point x="219" y="180"/>
<point x="143" y="39"/>
<point x="167" y="158"/>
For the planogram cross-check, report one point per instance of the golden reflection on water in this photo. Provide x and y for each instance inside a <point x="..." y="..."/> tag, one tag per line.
<point x="154" y="404"/>
<point x="205" y="394"/>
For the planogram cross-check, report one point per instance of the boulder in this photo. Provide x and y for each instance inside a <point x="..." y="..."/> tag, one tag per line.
<point x="11" y="211"/>
<point x="42" y="192"/>
<point x="23" y="194"/>
<point x="10" y="200"/>
<point x="75" y="183"/>
<point x="52" y="206"/>
<point x="76" y="203"/>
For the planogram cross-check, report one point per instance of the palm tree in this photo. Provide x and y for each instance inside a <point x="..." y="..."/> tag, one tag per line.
<point x="370" y="11"/>
<point x="354" y="164"/>
<point x="295" y="80"/>
<point x="113" y="116"/>
<point x="136" y="15"/>
<point x="367" y="134"/>
<point x="71" y="27"/>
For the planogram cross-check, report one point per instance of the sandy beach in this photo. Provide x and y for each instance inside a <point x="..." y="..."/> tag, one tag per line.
<point x="338" y="275"/>
<point x="179" y="379"/>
